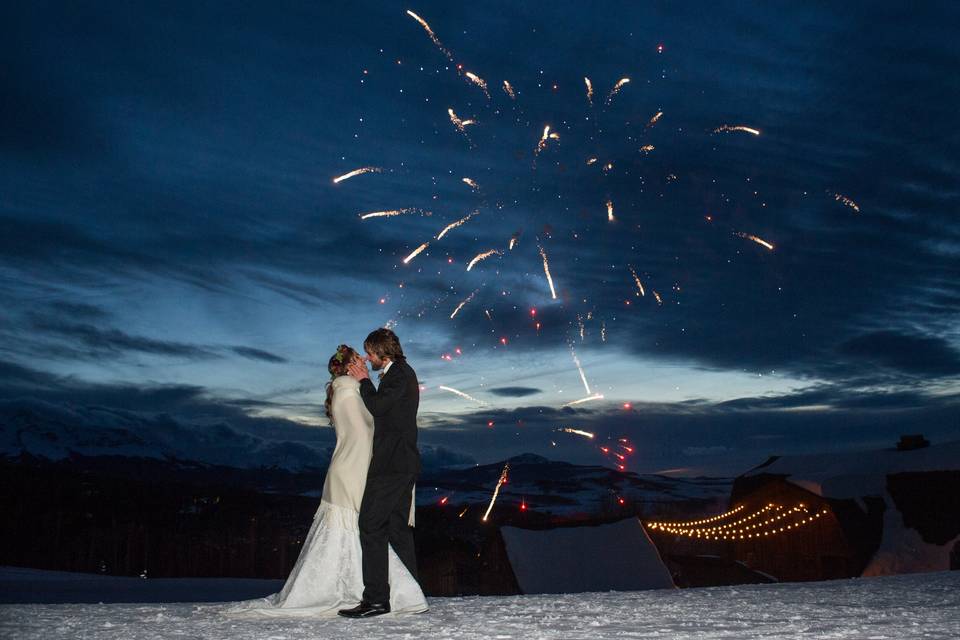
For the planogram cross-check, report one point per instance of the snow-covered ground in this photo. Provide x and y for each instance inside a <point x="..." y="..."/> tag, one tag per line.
<point x="896" y="607"/>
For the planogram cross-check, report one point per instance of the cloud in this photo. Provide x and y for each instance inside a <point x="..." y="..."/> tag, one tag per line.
<point x="258" y="354"/>
<point x="909" y="353"/>
<point x="116" y="341"/>
<point x="514" y="392"/>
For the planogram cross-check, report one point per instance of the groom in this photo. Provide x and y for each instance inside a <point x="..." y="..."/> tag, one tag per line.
<point x="386" y="504"/>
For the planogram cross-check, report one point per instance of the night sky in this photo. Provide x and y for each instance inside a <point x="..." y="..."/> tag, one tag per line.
<point x="173" y="240"/>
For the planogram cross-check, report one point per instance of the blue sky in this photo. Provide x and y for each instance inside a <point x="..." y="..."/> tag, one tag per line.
<point x="172" y="229"/>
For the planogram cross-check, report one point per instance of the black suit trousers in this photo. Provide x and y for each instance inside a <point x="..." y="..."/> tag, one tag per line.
<point x="384" y="514"/>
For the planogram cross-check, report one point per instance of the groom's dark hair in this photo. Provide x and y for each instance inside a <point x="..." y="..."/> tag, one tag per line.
<point x="385" y="344"/>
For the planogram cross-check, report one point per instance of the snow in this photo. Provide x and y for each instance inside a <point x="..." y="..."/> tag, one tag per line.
<point x="616" y="556"/>
<point x="902" y="550"/>
<point x="915" y="606"/>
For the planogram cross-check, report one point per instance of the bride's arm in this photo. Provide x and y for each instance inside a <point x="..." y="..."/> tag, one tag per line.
<point x="350" y="408"/>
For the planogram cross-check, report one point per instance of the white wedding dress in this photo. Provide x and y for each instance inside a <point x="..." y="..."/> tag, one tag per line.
<point x="328" y="574"/>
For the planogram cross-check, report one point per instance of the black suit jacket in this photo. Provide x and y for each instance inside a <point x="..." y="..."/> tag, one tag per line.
<point x="394" y="407"/>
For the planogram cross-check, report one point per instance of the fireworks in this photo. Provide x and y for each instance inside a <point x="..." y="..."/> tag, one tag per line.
<point x="636" y="279"/>
<point x="589" y="90"/>
<point x="616" y="89"/>
<point x="578" y="432"/>
<point x="461" y="125"/>
<point x="480" y="82"/>
<point x="463" y="395"/>
<point x="647" y="148"/>
<point x="658" y="298"/>
<point x="583" y="376"/>
<point x="508" y="89"/>
<point x="513" y="240"/>
<point x="483" y="256"/>
<point x="356" y="172"/>
<point x="847" y="201"/>
<point x="547" y="135"/>
<point x="393" y="212"/>
<point x="463" y="304"/>
<point x="433" y="36"/>
<point x="415" y="252"/>
<point x="596" y="396"/>
<point x="603" y="332"/>
<point x="759" y="241"/>
<point x="546" y="271"/>
<point x="454" y="225"/>
<point x="610" y="210"/>
<point x="496" y="490"/>
<point x="654" y="119"/>
<point x="736" y="127"/>
<point x="470" y="182"/>
<point x="591" y="161"/>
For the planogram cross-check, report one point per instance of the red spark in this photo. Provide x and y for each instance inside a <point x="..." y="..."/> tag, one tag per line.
<point x="443" y="500"/>
<point x="627" y="406"/>
<point x="621" y="500"/>
<point x="490" y="423"/>
<point x="503" y="340"/>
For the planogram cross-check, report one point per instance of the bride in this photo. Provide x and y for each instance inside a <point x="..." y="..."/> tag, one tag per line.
<point x="328" y="574"/>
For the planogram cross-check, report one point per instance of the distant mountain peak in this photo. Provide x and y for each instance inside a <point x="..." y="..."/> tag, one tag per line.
<point x="528" y="458"/>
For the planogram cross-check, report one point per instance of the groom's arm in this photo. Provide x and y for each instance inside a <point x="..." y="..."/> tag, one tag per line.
<point x="379" y="401"/>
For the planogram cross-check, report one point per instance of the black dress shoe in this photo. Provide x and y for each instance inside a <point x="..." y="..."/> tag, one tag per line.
<point x="366" y="610"/>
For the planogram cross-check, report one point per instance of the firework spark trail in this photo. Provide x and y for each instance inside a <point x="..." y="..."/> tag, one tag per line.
<point x="470" y="182"/>
<point x="657" y="296"/>
<point x="489" y="317"/>
<point x="546" y="270"/>
<point x="454" y="225"/>
<point x="480" y="82"/>
<point x="596" y="396"/>
<point x="461" y="394"/>
<point x="589" y="84"/>
<point x="636" y="279"/>
<point x="513" y="240"/>
<point x="508" y="88"/>
<point x="463" y="304"/>
<point x="616" y="89"/>
<point x="839" y="197"/>
<point x="603" y="332"/>
<point x="415" y="252"/>
<point x="654" y="119"/>
<point x="583" y="331"/>
<point x="543" y="140"/>
<point x="578" y="432"/>
<point x="759" y="241"/>
<point x="647" y="148"/>
<point x="482" y="256"/>
<point x="433" y="36"/>
<point x="736" y="127"/>
<point x="583" y="376"/>
<point x="610" y="210"/>
<point x="461" y="125"/>
<point x="496" y="490"/>
<point x="591" y="161"/>
<point x="356" y="172"/>
<point x="393" y="212"/>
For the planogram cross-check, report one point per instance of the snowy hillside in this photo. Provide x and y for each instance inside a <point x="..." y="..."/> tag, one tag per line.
<point x="900" y="607"/>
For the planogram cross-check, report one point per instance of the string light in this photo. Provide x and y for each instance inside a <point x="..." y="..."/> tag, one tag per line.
<point x="746" y="528"/>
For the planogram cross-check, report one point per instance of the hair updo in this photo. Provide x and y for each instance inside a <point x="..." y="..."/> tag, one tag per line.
<point x="337" y="366"/>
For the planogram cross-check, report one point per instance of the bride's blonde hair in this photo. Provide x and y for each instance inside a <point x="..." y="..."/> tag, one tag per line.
<point x="338" y="367"/>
